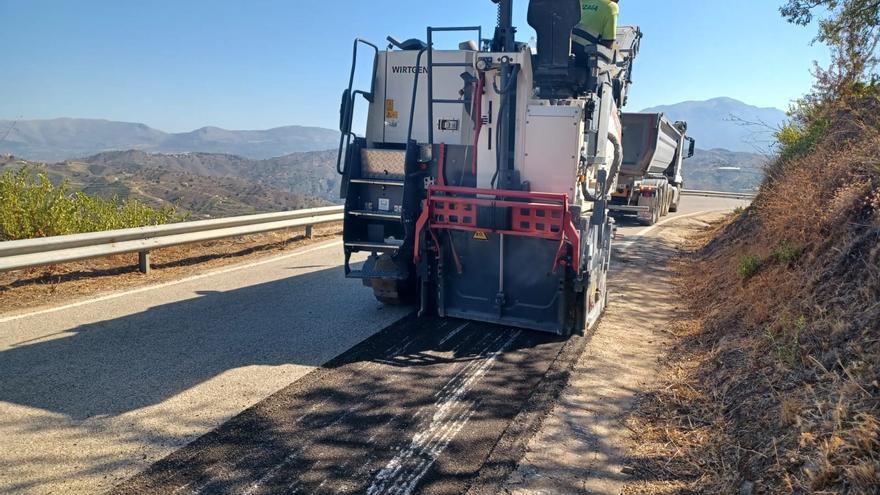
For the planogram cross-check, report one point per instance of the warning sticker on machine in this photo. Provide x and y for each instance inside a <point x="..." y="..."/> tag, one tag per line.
<point x="390" y="112"/>
<point x="481" y="236"/>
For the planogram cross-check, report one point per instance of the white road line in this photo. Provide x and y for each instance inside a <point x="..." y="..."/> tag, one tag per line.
<point x="451" y="413"/>
<point x="453" y="333"/>
<point x="484" y="347"/>
<point x="677" y="217"/>
<point x="648" y="230"/>
<point x="116" y="295"/>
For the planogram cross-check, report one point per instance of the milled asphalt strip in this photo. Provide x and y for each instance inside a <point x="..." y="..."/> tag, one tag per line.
<point x="117" y="295"/>
<point x="382" y="427"/>
<point x="405" y="471"/>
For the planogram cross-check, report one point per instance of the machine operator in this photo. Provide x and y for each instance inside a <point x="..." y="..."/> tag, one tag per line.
<point x="598" y="24"/>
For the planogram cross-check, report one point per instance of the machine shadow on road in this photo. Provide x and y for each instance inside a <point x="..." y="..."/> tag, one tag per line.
<point x="628" y="221"/>
<point x="119" y="365"/>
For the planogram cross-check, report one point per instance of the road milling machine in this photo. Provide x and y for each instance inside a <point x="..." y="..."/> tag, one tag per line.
<point x="480" y="188"/>
<point x="650" y="182"/>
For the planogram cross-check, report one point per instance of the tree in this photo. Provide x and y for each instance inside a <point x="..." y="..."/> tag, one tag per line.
<point x="851" y="28"/>
<point x="839" y="16"/>
<point x="846" y="94"/>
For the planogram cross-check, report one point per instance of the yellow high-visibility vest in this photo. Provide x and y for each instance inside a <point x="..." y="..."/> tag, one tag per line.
<point x="598" y="22"/>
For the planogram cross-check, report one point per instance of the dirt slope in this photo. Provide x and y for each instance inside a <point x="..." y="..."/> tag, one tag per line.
<point x="776" y="387"/>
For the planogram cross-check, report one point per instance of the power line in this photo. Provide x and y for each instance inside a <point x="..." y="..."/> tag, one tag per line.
<point x="14" y="123"/>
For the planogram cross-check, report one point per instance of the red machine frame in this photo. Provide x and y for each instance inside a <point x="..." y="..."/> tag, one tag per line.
<point x="534" y="214"/>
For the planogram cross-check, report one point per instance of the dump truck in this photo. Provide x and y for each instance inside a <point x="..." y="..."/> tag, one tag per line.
<point x="650" y="182"/>
<point x="479" y="188"/>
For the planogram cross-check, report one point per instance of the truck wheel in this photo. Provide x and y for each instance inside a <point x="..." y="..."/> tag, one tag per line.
<point x="576" y="319"/>
<point x="395" y="292"/>
<point x="674" y="207"/>
<point x="655" y="215"/>
<point x="605" y="301"/>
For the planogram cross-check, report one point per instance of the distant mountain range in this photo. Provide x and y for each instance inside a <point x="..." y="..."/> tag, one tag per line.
<point x="727" y="123"/>
<point x="63" y="139"/>
<point x="717" y="123"/>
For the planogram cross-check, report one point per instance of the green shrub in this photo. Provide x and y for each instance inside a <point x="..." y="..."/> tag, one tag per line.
<point x="31" y="206"/>
<point x="786" y="254"/>
<point x="799" y="136"/>
<point x="749" y="266"/>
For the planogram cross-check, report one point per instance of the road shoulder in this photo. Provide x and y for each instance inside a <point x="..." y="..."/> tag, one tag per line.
<point x="582" y="446"/>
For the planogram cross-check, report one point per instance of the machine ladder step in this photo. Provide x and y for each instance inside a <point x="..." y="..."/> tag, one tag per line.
<point x="379" y="215"/>
<point x="378" y="182"/>
<point x="432" y="65"/>
<point x="373" y="246"/>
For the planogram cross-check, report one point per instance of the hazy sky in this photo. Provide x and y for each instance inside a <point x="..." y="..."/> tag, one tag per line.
<point x="181" y="64"/>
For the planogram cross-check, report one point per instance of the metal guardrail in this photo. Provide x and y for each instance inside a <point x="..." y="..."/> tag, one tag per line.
<point x="28" y="253"/>
<point x="719" y="194"/>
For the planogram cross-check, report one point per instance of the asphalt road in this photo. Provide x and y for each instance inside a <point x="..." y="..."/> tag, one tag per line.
<point x="270" y="363"/>
<point x="93" y="393"/>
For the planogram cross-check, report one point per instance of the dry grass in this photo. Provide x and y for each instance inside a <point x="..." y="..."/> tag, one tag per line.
<point x="776" y="387"/>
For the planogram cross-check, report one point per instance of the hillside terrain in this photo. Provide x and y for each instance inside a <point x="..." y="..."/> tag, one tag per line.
<point x="64" y="139"/>
<point x="314" y="173"/>
<point x="199" y="196"/>
<point x="309" y="173"/>
<point x="727" y="123"/>
<point x="773" y="384"/>
<point x="214" y="184"/>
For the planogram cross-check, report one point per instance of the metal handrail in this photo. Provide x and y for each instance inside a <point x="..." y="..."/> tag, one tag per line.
<point x="720" y="194"/>
<point x="412" y="103"/>
<point x="345" y="138"/>
<point x="29" y="253"/>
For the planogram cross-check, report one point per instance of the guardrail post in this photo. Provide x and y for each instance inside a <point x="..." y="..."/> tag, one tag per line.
<point x="144" y="262"/>
<point x="310" y="231"/>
